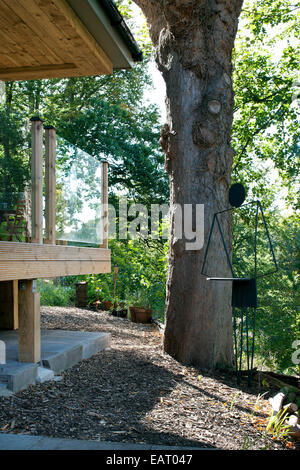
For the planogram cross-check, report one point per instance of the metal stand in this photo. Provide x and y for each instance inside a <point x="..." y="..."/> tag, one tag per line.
<point x="244" y="296"/>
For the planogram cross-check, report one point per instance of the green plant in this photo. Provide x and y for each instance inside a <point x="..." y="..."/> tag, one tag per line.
<point x="258" y="398"/>
<point x="55" y="294"/>
<point x="98" y="288"/>
<point x="142" y="298"/>
<point x="234" y="400"/>
<point x="246" y="443"/>
<point x="277" y="426"/>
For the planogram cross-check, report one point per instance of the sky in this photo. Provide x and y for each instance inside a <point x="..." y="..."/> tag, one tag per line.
<point x="157" y="95"/>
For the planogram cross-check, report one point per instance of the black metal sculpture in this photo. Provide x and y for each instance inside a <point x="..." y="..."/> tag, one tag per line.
<point x="244" y="289"/>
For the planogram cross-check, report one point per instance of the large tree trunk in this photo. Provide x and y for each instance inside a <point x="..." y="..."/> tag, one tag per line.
<point x="193" y="41"/>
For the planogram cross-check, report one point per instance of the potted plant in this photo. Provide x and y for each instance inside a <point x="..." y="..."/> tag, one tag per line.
<point x="107" y="304"/>
<point x="99" y="294"/>
<point x="122" y="309"/>
<point x="140" y="307"/>
<point x="118" y="309"/>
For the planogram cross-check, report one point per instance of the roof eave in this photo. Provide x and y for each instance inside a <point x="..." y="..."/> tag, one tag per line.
<point x="106" y="24"/>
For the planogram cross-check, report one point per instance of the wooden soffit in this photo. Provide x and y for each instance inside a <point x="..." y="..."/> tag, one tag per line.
<point x="46" y="39"/>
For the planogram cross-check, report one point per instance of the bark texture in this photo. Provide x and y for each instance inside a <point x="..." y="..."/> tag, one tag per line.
<point x="193" y="41"/>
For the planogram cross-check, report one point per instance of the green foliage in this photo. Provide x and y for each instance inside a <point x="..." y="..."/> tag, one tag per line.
<point x="141" y="278"/>
<point x="266" y="140"/>
<point x="266" y="119"/>
<point x="105" y="116"/>
<point x="54" y="294"/>
<point x="14" y="150"/>
<point x="278" y="315"/>
<point x="277" y="425"/>
<point x="137" y="24"/>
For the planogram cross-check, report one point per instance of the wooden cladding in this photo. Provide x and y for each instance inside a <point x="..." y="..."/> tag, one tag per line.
<point x="43" y="71"/>
<point x="32" y="261"/>
<point x="46" y="39"/>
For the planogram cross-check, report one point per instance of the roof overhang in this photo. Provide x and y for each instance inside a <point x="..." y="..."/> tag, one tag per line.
<point x="63" y="38"/>
<point x="106" y="24"/>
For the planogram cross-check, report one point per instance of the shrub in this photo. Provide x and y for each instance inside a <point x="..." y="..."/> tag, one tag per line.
<point x="54" y="294"/>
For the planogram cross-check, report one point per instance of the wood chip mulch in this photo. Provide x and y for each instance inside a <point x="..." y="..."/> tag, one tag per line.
<point x="134" y="392"/>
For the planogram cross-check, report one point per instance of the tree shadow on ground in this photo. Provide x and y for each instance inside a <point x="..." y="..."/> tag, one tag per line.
<point x="107" y="397"/>
<point x="116" y="395"/>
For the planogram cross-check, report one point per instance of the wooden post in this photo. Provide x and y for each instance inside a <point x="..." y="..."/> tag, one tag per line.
<point x="116" y="270"/>
<point x="104" y="195"/>
<point x="29" y="322"/>
<point x="81" y="294"/>
<point x="9" y="305"/>
<point x="50" y="186"/>
<point x="37" y="180"/>
<point x="29" y="300"/>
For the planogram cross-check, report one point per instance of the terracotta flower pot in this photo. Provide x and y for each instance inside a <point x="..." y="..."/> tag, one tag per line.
<point x="132" y="314"/>
<point x="140" y="315"/>
<point x="107" y="304"/>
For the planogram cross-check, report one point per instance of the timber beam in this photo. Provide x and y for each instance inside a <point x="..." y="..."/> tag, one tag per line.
<point x="34" y="261"/>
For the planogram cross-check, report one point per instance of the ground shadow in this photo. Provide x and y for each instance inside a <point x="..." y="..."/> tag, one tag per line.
<point x="106" y="397"/>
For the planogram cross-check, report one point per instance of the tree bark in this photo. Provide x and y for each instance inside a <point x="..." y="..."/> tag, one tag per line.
<point x="193" y="42"/>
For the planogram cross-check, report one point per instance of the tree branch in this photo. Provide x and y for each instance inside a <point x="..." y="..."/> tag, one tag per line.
<point x="261" y="128"/>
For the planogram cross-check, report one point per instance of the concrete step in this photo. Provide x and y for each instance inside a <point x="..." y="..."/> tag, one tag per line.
<point x="28" y="442"/>
<point x="4" y="392"/>
<point x="60" y="350"/>
<point x="17" y="375"/>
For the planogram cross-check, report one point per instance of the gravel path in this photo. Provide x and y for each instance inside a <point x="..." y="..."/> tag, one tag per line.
<point x="134" y="392"/>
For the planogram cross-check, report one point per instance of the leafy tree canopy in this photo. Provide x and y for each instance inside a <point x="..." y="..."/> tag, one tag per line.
<point x="107" y="117"/>
<point x="266" y="134"/>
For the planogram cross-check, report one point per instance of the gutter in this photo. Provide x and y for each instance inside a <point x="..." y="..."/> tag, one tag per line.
<point x="117" y="21"/>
